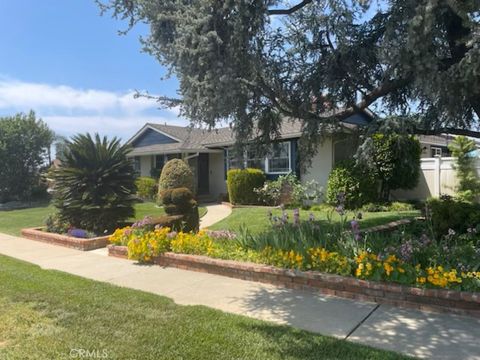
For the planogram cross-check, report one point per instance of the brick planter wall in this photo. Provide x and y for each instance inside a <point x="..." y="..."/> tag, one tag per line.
<point x="458" y="302"/>
<point x="64" y="240"/>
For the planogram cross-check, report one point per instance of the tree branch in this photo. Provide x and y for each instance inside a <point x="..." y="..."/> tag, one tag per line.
<point x="290" y="10"/>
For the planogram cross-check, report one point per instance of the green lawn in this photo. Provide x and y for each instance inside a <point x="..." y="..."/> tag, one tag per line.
<point x="11" y="222"/>
<point x="256" y="219"/>
<point x="44" y="314"/>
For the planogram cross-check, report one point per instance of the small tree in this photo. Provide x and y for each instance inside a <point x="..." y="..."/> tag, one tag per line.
<point x="468" y="183"/>
<point x="394" y="160"/>
<point x="94" y="186"/>
<point x="24" y="148"/>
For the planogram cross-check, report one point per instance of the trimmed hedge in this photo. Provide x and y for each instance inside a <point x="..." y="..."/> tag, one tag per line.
<point x="146" y="188"/>
<point x="176" y="174"/>
<point x="241" y="185"/>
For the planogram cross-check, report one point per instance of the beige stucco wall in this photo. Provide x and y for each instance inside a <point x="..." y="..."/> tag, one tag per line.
<point x="217" y="175"/>
<point x="321" y="165"/>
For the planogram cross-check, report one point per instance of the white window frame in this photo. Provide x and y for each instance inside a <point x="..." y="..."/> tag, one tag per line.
<point x="267" y="170"/>
<point x="437" y="150"/>
<point x="265" y="160"/>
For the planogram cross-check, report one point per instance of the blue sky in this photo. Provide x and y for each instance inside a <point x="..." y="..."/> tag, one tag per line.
<point x="63" y="60"/>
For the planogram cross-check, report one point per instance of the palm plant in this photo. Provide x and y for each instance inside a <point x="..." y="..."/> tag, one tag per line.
<point x="94" y="186"/>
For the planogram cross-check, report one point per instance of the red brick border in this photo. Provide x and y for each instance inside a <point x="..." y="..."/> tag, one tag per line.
<point x="63" y="240"/>
<point x="439" y="300"/>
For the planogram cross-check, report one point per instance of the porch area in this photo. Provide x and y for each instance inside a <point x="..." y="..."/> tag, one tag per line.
<point x="208" y="168"/>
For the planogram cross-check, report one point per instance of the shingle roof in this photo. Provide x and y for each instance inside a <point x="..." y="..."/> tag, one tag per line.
<point x="195" y="139"/>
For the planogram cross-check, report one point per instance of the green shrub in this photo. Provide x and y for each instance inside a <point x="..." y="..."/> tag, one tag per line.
<point x="394" y="161"/>
<point x="394" y="206"/>
<point x="176" y="174"/>
<point x="449" y="213"/>
<point x="400" y="206"/>
<point x="55" y="224"/>
<point x="468" y="182"/>
<point x="94" y="186"/>
<point x="146" y="188"/>
<point x="180" y="202"/>
<point x="358" y="186"/>
<point x="241" y="185"/>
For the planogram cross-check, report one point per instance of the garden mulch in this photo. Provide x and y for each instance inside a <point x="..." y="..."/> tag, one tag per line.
<point x="412" y="332"/>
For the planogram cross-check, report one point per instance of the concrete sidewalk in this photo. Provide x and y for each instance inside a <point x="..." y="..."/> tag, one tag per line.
<point x="427" y="335"/>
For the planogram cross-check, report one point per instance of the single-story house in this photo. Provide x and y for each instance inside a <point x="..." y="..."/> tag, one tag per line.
<point x="210" y="155"/>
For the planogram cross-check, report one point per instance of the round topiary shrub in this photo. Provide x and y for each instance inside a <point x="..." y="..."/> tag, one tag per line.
<point x="358" y="187"/>
<point x="242" y="184"/>
<point x="175" y="174"/>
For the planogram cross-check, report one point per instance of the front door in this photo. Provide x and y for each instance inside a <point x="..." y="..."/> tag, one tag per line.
<point x="203" y="172"/>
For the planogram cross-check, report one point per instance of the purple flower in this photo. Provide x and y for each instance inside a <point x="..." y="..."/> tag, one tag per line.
<point x="356" y="230"/>
<point x="78" y="233"/>
<point x="296" y="216"/>
<point x="284" y="217"/>
<point x="340" y="210"/>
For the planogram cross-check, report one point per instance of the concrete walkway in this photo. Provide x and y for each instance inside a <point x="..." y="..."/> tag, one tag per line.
<point x="426" y="335"/>
<point x="215" y="213"/>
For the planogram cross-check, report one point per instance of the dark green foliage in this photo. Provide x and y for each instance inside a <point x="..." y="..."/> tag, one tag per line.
<point x="146" y="188"/>
<point x="358" y="185"/>
<point x="180" y="201"/>
<point x="233" y="62"/>
<point x="176" y="174"/>
<point x="394" y="160"/>
<point x="55" y="224"/>
<point x="24" y="149"/>
<point x="94" y="186"/>
<point x="242" y="183"/>
<point x="449" y="213"/>
<point x="468" y="182"/>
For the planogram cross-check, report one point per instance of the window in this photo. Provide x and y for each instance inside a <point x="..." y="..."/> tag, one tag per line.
<point x="278" y="162"/>
<point x="159" y="161"/>
<point x="436" y="151"/>
<point x="136" y="164"/>
<point x="254" y="161"/>
<point x="279" y="159"/>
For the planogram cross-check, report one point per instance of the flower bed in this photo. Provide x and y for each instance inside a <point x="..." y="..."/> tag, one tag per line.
<point x="458" y="302"/>
<point x="86" y="244"/>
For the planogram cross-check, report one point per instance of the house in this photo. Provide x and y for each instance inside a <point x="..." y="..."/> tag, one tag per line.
<point x="210" y="155"/>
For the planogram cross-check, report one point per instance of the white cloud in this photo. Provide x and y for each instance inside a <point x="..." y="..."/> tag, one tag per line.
<point x="18" y="94"/>
<point x="124" y="127"/>
<point x="69" y="110"/>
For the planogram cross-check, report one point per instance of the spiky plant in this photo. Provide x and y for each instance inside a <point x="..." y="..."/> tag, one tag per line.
<point x="94" y="186"/>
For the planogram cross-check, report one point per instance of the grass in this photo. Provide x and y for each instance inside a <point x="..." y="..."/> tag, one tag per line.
<point x="44" y="314"/>
<point x="12" y="222"/>
<point x="256" y="219"/>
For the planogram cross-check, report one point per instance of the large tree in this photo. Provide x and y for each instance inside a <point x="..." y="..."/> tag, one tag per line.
<point x="24" y="146"/>
<point x="320" y="61"/>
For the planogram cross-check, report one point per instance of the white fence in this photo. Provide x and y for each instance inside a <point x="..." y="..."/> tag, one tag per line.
<point x="437" y="177"/>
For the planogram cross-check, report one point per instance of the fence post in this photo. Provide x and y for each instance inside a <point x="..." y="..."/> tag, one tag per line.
<point x="437" y="175"/>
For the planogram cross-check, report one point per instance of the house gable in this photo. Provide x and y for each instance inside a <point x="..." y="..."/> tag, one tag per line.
<point x="151" y="137"/>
